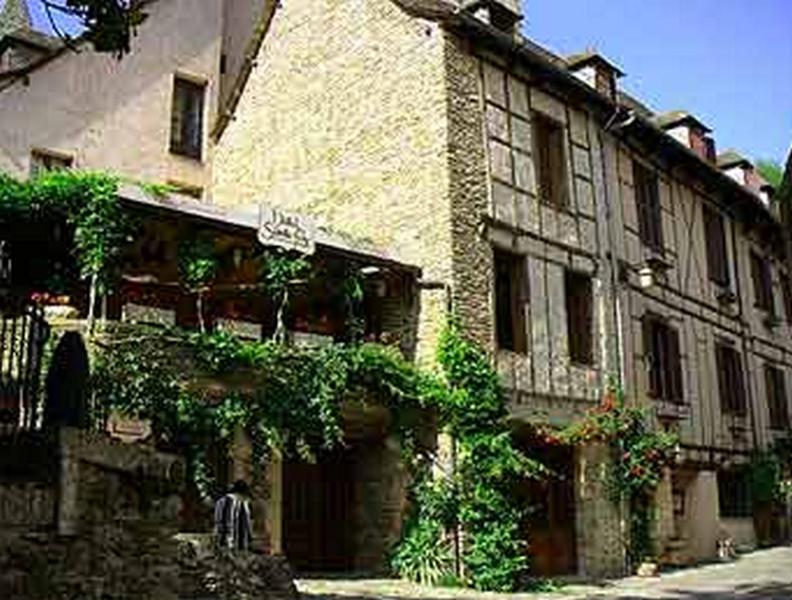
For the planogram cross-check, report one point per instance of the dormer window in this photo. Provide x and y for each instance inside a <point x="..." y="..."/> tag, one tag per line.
<point x="690" y="132"/>
<point x="596" y="71"/>
<point x="501" y="14"/>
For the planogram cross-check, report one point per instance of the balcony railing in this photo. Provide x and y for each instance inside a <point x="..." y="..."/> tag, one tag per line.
<point x="23" y="335"/>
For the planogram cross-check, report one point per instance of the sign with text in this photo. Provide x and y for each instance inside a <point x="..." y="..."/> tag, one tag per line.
<point x="286" y="230"/>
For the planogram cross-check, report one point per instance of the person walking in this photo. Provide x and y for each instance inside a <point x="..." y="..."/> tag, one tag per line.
<point x="233" y="524"/>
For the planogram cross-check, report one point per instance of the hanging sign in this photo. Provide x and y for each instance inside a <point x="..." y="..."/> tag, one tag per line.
<point x="286" y="230"/>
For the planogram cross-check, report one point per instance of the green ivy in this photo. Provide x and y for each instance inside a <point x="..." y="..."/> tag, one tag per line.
<point x="289" y="400"/>
<point x="87" y="201"/>
<point x="477" y="497"/>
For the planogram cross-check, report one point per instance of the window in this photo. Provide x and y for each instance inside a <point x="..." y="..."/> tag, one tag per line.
<point x="762" y="282"/>
<point x="579" y="309"/>
<point x="730" y="378"/>
<point x="650" y="216"/>
<point x="41" y="160"/>
<point x="786" y="291"/>
<point x="187" y="118"/>
<point x="510" y="298"/>
<point x="734" y="493"/>
<point x="776" y="397"/>
<point x="664" y="363"/>
<point x="550" y="162"/>
<point x="715" y="234"/>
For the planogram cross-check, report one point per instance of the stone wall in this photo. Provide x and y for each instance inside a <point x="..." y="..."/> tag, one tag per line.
<point x="113" y="535"/>
<point x="116" y="115"/>
<point x="599" y="521"/>
<point x="344" y="118"/>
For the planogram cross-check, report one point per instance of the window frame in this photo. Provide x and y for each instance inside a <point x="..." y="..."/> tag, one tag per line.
<point x="776" y="395"/>
<point x="731" y="382"/>
<point x="762" y="280"/>
<point x="734" y="494"/>
<point x="580" y="317"/>
<point x="663" y="359"/>
<point x="510" y="322"/>
<point x="549" y="163"/>
<point x="179" y="144"/>
<point x="646" y="185"/>
<point x="716" y="246"/>
<point x="786" y="294"/>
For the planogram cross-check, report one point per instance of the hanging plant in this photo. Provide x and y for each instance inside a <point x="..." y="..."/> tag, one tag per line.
<point x="198" y="266"/>
<point x="278" y="271"/>
<point x="88" y="202"/>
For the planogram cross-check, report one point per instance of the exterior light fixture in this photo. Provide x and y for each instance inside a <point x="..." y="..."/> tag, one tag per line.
<point x="370" y="270"/>
<point x="646" y="277"/>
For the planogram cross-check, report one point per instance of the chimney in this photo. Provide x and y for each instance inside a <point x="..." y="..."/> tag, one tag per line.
<point x="596" y="71"/>
<point x="688" y="131"/>
<point x="501" y="14"/>
<point x="742" y="170"/>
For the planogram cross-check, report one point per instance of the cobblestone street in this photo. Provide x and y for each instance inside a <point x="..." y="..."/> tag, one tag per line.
<point x="762" y="575"/>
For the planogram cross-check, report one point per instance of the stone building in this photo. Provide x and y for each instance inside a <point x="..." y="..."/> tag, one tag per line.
<point x="579" y="236"/>
<point x="146" y="117"/>
<point x="582" y="238"/>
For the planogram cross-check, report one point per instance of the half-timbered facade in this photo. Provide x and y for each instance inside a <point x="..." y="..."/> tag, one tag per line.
<point x="584" y="239"/>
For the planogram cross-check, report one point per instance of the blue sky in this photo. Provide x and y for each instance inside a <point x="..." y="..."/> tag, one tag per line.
<point x="727" y="61"/>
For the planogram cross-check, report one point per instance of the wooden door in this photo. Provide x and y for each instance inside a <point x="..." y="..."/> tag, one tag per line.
<point x="550" y="527"/>
<point x="318" y="503"/>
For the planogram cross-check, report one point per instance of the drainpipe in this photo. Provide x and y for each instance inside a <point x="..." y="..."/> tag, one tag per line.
<point x="455" y="533"/>
<point x="612" y="125"/>
<point x="744" y="341"/>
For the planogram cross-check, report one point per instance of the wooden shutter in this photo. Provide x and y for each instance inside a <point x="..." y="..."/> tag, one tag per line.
<point x="674" y="368"/>
<point x="715" y="238"/>
<point x="776" y="397"/>
<point x="651" y="356"/>
<point x="730" y="379"/>
<point x="511" y="294"/>
<point x="548" y="146"/>
<point x="647" y="198"/>
<point x="762" y="282"/>
<point x="579" y="307"/>
<point x="786" y="291"/>
<point x="739" y="383"/>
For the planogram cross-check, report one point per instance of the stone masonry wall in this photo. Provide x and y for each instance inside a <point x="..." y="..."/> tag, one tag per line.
<point x="344" y="118"/>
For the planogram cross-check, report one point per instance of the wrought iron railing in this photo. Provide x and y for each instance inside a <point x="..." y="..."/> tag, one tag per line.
<point x="23" y="335"/>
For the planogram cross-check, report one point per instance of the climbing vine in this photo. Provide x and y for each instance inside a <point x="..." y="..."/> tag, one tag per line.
<point x="87" y="203"/>
<point x="475" y="495"/>
<point x="289" y="400"/>
<point x="278" y="272"/>
<point x="198" y="266"/>
<point x="639" y="456"/>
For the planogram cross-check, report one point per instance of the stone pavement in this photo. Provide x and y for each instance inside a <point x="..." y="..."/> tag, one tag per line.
<point x="761" y="575"/>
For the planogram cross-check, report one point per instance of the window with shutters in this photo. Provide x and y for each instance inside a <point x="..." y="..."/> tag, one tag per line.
<point x="786" y="292"/>
<point x="187" y="118"/>
<point x="550" y="160"/>
<point x="776" y="397"/>
<point x="715" y="237"/>
<point x="663" y="359"/>
<point x="762" y="283"/>
<point x="579" y="309"/>
<point x="650" y="214"/>
<point x="510" y="299"/>
<point x="734" y="493"/>
<point x="730" y="378"/>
